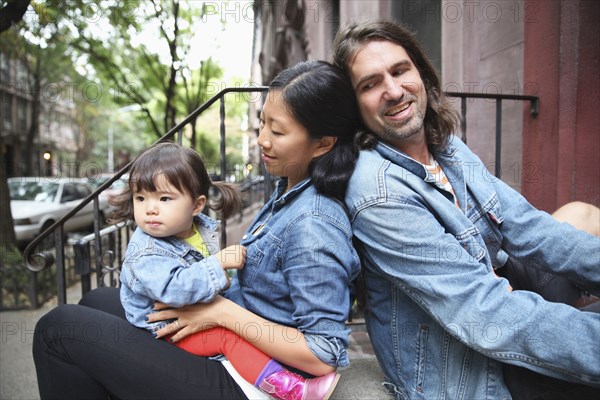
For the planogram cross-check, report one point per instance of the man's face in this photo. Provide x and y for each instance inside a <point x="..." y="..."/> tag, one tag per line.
<point x="391" y="95"/>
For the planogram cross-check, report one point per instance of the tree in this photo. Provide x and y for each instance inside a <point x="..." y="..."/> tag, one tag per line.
<point x="11" y="13"/>
<point x="102" y="43"/>
<point x="136" y="71"/>
<point x="196" y="89"/>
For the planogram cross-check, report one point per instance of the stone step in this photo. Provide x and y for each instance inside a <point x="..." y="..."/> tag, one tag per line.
<point x="361" y="381"/>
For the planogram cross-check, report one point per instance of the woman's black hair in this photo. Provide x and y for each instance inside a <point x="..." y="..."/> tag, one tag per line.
<point x="322" y="99"/>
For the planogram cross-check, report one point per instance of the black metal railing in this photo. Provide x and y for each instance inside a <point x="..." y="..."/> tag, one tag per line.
<point x="534" y="108"/>
<point x="101" y="252"/>
<point x="95" y="255"/>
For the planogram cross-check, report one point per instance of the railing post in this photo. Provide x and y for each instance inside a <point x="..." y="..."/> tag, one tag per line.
<point x="97" y="241"/>
<point x="463" y="118"/>
<point x="61" y="282"/>
<point x="498" y="167"/>
<point x="223" y="165"/>
<point x="82" y="264"/>
<point x="32" y="290"/>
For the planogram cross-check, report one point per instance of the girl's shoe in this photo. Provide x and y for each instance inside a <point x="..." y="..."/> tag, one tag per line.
<point x="287" y="385"/>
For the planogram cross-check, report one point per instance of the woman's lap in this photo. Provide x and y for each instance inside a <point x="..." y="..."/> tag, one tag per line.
<point x="104" y="299"/>
<point x="81" y="349"/>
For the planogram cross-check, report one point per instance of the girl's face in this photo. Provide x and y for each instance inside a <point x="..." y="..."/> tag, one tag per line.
<point x="167" y="211"/>
<point x="286" y="145"/>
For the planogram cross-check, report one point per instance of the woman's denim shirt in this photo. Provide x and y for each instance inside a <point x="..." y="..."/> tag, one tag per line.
<point x="171" y="271"/>
<point x="440" y="321"/>
<point x="299" y="267"/>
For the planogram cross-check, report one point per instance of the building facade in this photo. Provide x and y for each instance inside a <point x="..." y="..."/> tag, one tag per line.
<point x="549" y="49"/>
<point x="49" y="147"/>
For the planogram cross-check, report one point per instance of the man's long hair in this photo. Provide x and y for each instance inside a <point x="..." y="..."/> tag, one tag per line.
<point x="441" y="119"/>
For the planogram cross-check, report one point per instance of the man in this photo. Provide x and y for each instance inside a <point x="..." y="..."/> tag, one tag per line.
<point x="432" y="227"/>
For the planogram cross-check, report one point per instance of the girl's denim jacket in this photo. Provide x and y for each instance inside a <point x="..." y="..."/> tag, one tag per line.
<point x="440" y="321"/>
<point x="171" y="271"/>
<point x="299" y="269"/>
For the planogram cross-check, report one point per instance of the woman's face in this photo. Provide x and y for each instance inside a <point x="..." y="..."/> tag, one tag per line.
<point x="286" y="145"/>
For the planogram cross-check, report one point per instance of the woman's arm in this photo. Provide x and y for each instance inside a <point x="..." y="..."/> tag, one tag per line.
<point x="282" y="343"/>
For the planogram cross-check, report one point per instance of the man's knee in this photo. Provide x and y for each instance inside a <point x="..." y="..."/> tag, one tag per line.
<point x="583" y="216"/>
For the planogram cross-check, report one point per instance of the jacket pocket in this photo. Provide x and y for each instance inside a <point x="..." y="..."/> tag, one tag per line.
<point x="254" y="257"/>
<point x="421" y="358"/>
<point x="468" y="241"/>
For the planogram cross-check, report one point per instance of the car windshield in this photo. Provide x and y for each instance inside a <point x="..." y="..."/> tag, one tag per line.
<point x="35" y="191"/>
<point x="119" y="184"/>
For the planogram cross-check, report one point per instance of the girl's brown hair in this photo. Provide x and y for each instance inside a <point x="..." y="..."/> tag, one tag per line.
<point x="183" y="168"/>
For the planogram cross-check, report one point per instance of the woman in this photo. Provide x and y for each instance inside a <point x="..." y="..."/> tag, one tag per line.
<point x="290" y="300"/>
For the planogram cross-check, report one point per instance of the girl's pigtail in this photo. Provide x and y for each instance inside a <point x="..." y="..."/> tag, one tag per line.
<point x="225" y="197"/>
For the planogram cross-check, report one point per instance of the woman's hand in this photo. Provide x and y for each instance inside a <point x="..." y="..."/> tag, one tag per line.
<point x="283" y="343"/>
<point x="189" y="319"/>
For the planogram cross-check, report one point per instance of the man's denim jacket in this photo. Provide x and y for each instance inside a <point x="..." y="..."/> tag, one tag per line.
<point x="300" y="265"/>
<point x="440" y="321"/>
<point x="171" y="271"/>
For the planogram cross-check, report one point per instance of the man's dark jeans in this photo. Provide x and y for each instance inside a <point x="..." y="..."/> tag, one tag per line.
<point x="523" y="383"/>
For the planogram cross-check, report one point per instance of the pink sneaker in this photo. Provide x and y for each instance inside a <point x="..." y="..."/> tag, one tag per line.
<point x="287" y="385"/>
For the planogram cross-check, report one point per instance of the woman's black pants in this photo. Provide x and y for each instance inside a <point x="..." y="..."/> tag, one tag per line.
<point x="90" y="351"/>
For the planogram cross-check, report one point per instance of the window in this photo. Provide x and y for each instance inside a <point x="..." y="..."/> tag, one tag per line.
<point x="23" y="80"/>
<point x="4" y="68"/>
<point x="83" y="191"/>
<point x="22" y="114"/>
<point x="69" y="193"/>
<point x="424" y="18"/>
<point x="6" y="100"/>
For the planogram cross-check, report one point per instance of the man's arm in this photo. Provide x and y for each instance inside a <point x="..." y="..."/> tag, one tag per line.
<point x="537" y="239"/>
<point x="451" y="278"/>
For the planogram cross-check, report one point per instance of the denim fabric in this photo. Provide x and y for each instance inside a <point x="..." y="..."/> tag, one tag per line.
<point x="439" y="320"/>
<point x="171" y="271"/>
<point x="299" y="268"/>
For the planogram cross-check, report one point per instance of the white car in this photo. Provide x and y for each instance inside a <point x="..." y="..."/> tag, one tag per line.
<point x="38" y="202"/>
<point x="116" y="188"/>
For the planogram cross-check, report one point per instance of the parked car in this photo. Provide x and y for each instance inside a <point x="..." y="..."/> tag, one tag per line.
<point x="38" y="202"/>
<point x="114" y="189"/>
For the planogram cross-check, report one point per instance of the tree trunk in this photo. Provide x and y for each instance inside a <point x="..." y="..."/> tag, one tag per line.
<point x="28" y="153"/>
<point x="7" y="233"/>
<point x="193" y="140"/>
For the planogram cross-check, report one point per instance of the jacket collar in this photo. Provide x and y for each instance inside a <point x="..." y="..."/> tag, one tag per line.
<point x="282" y="198"/>
<point x="203" y="220"/>
<point x="451" y="165"/>
<point x="396" y="156"/>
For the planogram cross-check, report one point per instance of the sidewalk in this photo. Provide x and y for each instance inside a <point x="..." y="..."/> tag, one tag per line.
<point x="360" y="381"/>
